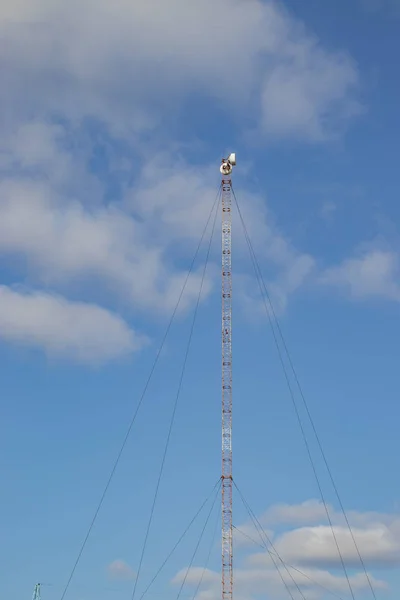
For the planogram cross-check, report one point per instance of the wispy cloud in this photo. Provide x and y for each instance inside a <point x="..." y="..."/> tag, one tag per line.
<point x="67" y="239"/>
<point x="310" y="541"/>
<point x="141" y="59"/>
<point x="315" y="546"/>
<point x="373" y="274"/>
<point x="124" y="68"/>
<point x="311" y="553"/>
<point x="251" y="580"/>
<point x="119" y="569"/>
<point x="83" y="332"/>
<point x="69" y="235"/>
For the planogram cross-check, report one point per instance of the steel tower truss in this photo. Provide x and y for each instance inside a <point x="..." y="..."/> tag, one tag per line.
<point x="36" y="592"/>
<point x="227" y="482"/>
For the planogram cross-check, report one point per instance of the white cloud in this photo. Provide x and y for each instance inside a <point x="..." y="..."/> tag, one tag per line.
<point x="313" y="512"/>
<point x="64" y="240"/>
<point x="281" y="280"/>
<point x="310" y="579"/>
<point x="131" y="65"/>
<point x="83" y="332"/>
<point x="66" y="234"/>
<point x="194" y="574"/>
<point x="310" y="511"/>
<point x="161" y="198"/>
<point x="119" y="569"/>
<point x="374" y="274"/>
<point x="249" y="534"/>
<point x="312" y="544"/>
<point x="127" y="63"/>
<point x="309" y="553"/>
<point x="306" y="94"/>
<point x="174" y="197"/>
<point x="251" y="580"/>
<point x="32" y="144"/>
<point x="315" y="546"/>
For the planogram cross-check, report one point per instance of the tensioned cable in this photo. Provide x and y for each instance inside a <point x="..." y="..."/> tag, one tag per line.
<point x="178" y="393"/>
<point x="271" y="552"/>
<point x="308" y="412"/>
<point x="264" y="293"/>
<point x="198" y="542"/>
<point x="208" y="557"/>
<point x="132" y="422"/>
<point x="305" y="403"/>
<point x="179" y="541"/>
<point x="262" y="532"/>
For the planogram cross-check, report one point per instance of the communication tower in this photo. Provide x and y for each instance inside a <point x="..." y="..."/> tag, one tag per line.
<point x="226" y="477"/>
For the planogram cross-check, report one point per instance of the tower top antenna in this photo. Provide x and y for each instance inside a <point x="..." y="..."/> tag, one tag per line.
<point x="227" y="164"/>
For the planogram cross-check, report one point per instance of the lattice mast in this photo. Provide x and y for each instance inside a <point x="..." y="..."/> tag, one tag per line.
<point x="226" y="477"/>
<point x="36" y="592"/>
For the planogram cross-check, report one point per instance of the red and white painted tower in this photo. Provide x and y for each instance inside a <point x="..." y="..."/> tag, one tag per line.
<point x="227" y="481"/>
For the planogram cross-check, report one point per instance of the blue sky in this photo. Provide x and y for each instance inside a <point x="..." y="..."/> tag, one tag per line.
<point x="114" y="118"/>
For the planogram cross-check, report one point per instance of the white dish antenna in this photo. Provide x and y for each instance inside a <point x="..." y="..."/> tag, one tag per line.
<point x="228" y="164"/>
<point x="226" y="168"/>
